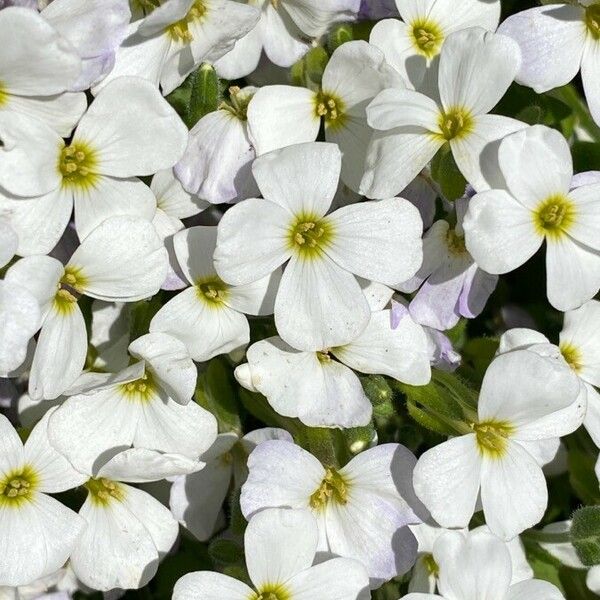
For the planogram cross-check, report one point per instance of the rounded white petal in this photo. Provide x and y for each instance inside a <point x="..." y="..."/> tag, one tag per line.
<point x="476" y="68"/>
<point x="86" y="427"/>
<point x="472" y="565"/>
<point x="28" y="155"/>
<point x="319" y="305"/>
<point x="403" y="108"/>
<point x="500" y="233"/>
<point x="379" y="241"/>
<point x="280" y="543"/>
<point x="115" y="550"/>
<point x="446" y="480"/>
<point x="196" y="499"/>
<point x="282" y="115"/>
<point x="60" y="353"/>
<point x="169" y="362"/>
<point x="122" y="259"/>
<point x="536" y="589"/>
<point x="530" y="391"/>
<point x="281" y="474"/>
<point x="36" y="60"/>
<point x="572" y="272"/>
<point x="11" y="455"/>
<point x="282" y="177"/>
<point x="172" y="198"/>
<point x="137" y="138"/>
<point x="54" y="471"/>
<point x="336" y="579"/>
<point x="39" y="222"/>
<point x="476" y="154"/>
<point x="401" y="353"/>
<point x="394" y="159"/>
<point x="206" y="331"/>
<point x="20" y="318"/>
<point x="241" y="255"/>
<point x="581" y="329"/>
<point x="210" y="586"/>
<point x="41" y="535"/>
<point x="536" y="163"/>
<point x="188" y="429"/>
<point x="551" y="39"/>
<point x="110" y="197"/>
<point x="513" y="492"/>
<point x="587" y="207"/>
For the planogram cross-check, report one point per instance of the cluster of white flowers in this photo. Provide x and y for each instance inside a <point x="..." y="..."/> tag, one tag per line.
<point x="230" y="312"/>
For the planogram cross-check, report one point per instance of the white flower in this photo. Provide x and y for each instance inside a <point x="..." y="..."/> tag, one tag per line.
<point x="109" y="335"/>
<point x="319" y="303"/>
<point x="37" y="532"/>
<point x="20" y="318"/>
<point x="475" y="565"/>
<point x="505" y="226"/>
<point x="412" y="45"/>
<point x="579" y="346"/>
<point x="136" y="407"/>
<point x="556" y="41"/>
<point x="95" y="30"/>
<point x="280" y="549"/>
<point x="450" y="284"/>
<point x="95" y="172"/>
<point x="283" y="32"/>
<point x="281" y="115"/>
<point x="196" y="499"/>
<point x="173" y="203"/>
<point x="9" y="243"/>
<point x="526" y="400"/>
<point x="128" y="531"/>
<point x="216" y="164"/>
<point x="122" y="259"/>
<point x="363" y="509"/>
<point x="38" y="66"/>
<point x="179" y="35"/>
<point x="426" y="572"/>
<point x="476" y="67"/>
<point x="210" y="316"/>
<point x="324" y="392"/>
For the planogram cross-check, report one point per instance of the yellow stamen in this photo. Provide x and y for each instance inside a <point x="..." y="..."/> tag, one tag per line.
<point x="455" y="123"/>
<point x="103" y="491"/>
<point x="333" y="488"/>
<point x="77" y="164"/>
<point x="492" y="437"/>
<point x="427" y="37"/>
<point x="18" y="486"/>
<point x="553" y="217"/>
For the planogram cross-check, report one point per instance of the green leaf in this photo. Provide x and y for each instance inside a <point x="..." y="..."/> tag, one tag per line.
<point x="215" y="391"/>
<point x="585" y="534"/>
<point x="316" y="60"/>
<point x="544" y="565"/>
<point x="445" y="171"/>
<point x="582" y="476"/>
<point x="205" y="93"/>
<point x="141" y="313"/>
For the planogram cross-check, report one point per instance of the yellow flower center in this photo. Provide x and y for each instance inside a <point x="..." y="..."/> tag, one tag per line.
<point x="592" y="20"/>
<point x="238" y="103"/>
<point x="554" y="216"/>
<point x="455" y="242"/>
<point x="180" y="30"/>
<point x="333" y="488"/>
<point x="309" y="236"/>
<point x="331" y="109"/>
<point x="3" y="95"/>
<point x="430" y="564"/>
<point x="271" y="592"/>
<point x="77" y="165"/>
<point x="427" y="37"/>
<point x="212" y="291"/>
<point x="103" y="491"/>
<point x="492" y="437"/>
<point x="70" y="288"/>
<point x="455" y="123"/>
<point x="573" y="356"/>
<point x="17" y="486"/>
<point x="141" y="390"/>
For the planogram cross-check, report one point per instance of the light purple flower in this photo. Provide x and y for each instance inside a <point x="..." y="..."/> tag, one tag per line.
<point x="451" y="284"/>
